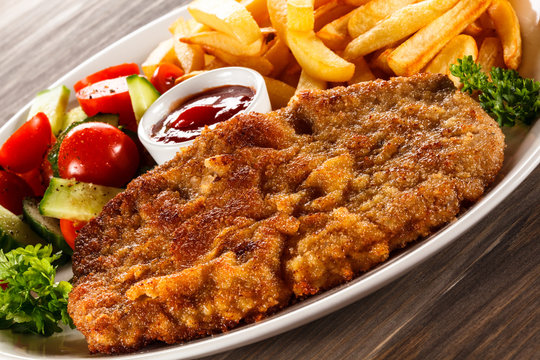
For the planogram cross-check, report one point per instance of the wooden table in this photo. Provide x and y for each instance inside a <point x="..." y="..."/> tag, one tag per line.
<point x="478" y="298"/>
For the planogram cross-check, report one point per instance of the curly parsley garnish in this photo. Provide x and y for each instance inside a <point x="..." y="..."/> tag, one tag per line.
<point x="507" y="97"/>
<point x="32" y="302"/>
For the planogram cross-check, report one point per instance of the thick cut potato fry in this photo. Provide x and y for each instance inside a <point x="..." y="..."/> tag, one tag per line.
<point x="279" y="92"/>
<point x="257" y="9"/>
<point x="291" y="74"/>
<point x="457" y="48"/>
<point x="402" y="23"/>
<point x="277" y="10"/>
<point x="335" y="34"/>
<point x="307" y="82"/>
<point x="227" y="16"/>
<point x="300" y="16"/>
<point x="356" y="2"/>
<point x="380" y="61"/>
<point x="330" y="12"/>
<point x="362" y="72"/>
<point x="191" y="57"/>
<point x="256" y="63"/>
<point x="474" y="28"/>
<point x="490" y="54"/>
<point x="163" y="53"/>
<point x="367" y="16"/>
<point x="316" y="59"/>
<point x="417" y="51"/>
<point x="222" y="41"/>
<point x="279" y="55"/>
<point x="507" y="26"/>
<point x="188" y="76"/>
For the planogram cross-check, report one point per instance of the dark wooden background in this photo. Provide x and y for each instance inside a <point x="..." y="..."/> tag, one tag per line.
<point x="479" y="298"/>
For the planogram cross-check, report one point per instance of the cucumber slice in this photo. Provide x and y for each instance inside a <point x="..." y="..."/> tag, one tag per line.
<point x="142" y="93"/>
<point x="53" y="103"/>
<point x="75" y="200"/>
<point x="47" y="227"/>
<point x="73" y="116"/>
<point x="14" y="232"/>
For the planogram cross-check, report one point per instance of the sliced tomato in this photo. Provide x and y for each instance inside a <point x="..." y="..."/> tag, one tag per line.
<point x="98" y="153"/>
<point x="24" y="149"/>
<point x="70" y="230"/>
<point x="13" y="190"/>
<point x="35" y="180"/>
<point x="164" y="76"/>
<point x="108" y="73"/>
<point x="109" y="96"/>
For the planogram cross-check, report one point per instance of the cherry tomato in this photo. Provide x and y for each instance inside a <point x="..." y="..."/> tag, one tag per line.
<point x="108" y="73"/>
<point x="13" y="190"/>
<point x="34" y="179"/>
<point x="70" y="230"/>
<point x="46" y="171"/>
<point x="164" y="76"/>
<point x="98" y="153"/>
<point x="25" y="148"/>
<point x="109" y="96"/>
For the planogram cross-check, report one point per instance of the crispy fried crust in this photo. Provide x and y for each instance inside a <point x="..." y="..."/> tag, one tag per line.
<point x="268" y="207"/>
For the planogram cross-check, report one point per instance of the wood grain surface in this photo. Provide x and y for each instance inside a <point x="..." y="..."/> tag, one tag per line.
<point x="477" y="299"/>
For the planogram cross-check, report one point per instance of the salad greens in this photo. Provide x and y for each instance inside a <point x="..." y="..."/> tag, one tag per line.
<point x="32" y="302"/>
<point x="507" y="98"/>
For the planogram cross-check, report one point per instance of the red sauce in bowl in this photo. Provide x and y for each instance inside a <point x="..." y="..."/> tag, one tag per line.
<point x="207" y="108"/>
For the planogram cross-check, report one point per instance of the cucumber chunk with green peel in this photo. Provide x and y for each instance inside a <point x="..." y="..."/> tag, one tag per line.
<point x="75" y="200"/>
<point x="53" y="103"/>
<point x="14" y="232"/>
<point x="46" y="227"/>
<point x="142" y="93"/>
<point x="73" y="116"/>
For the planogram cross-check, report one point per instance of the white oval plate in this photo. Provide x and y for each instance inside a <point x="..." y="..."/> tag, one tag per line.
<point x="521" y="157"/>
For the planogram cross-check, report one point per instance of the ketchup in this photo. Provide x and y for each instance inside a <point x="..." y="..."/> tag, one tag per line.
<point x="206" y="108"/>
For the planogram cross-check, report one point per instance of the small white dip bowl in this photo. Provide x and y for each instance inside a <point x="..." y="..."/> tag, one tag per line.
<point x="163" y="152"/>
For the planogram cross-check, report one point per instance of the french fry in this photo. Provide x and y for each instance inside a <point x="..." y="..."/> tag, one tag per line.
<point x="214" y="63"/>
<point x="257" y="63"/>
<point x="279" y="92"/>
<point x="291" y="74"/>
<point x="474" y="28"/>
<point x="257" y="9"/>
<point x="277" y="11"/>
<point x="222" y="41"/>
<point x="490" y="54"/>
<point x="163" y="53"/>
<point x="187" y="26"/>
<point x="188" y="76"/>
<point x="417" y="51"/>
<point x="191" y="57"/>
<point x="507" y="26"/>
<point x="300" y="16"/>
<point x="316" y="59"/>
<point x="380" y="61"/>
<point x="362" y="72"/>
<point x="227" y="16"/>
<point x="330" y="12"/>
<point x="356" y="2"/>
<point x="309" y="82"/>
<point x="279" y="56"/>
<point x="335" y="34"/>
<point x="400" y="24"/>
<point x="367" y="16"/>
<point x="460" y="46"/>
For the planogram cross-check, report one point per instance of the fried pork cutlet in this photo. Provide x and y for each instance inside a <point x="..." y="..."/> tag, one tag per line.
<point x="269" y="207"/>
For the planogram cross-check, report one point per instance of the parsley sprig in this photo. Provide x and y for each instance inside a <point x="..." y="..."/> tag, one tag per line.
<point x="32" y="302"/>
<point x="507" y="98"/>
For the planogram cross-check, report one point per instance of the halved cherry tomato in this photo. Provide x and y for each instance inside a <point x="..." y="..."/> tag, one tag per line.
<point x="108" y="73"/>
<point x="25" y="148"/>
<point x="164" y="76"/>
<point x="13" y="190"/>
<point x="109" y="96"/>
<point x="98" y="153"/>
<point x="70" y="230"/>
<point x="34" y="179"/>
<point x="46" y="171"/>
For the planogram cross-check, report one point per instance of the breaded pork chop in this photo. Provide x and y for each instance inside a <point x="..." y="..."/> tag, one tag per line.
<point x="269" y="207"/>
